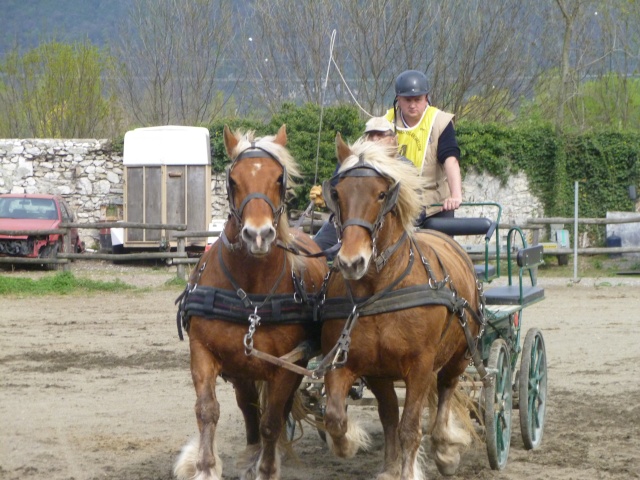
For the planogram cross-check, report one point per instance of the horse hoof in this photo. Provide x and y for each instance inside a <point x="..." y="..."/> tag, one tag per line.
<point x="186" y="468"/>
<point x="450" y="466"/>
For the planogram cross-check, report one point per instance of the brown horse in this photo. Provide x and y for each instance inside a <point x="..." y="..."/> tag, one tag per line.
<point x="245" y="297"/>
<point x="404" y="297"/>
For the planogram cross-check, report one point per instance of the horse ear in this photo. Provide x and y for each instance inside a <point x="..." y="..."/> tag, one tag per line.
<point x="342" y="149"/>
<point x="230" y="141"/>
<point x="281" y="136"/>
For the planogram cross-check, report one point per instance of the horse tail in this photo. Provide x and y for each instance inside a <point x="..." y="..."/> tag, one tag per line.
<point x="463" y="409"/>
<point x="355" y="439"/>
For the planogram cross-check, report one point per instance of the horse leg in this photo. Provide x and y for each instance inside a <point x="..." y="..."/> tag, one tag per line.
<point x="418" y="386"/>
<point x="199" y="459"/>
<point x="448" y="437"/>
<point x="280" y="391"/>
<point x="247" y="398"/>
<point x="389" y="414"/>
<point x="345" y="437"/>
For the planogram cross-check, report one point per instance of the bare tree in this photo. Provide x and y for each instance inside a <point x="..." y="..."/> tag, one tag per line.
<point x="172" y="58"/>
<point x="286" y="50"/>
<point x="597" y="57"/>
<point x="570" y="11"/>
<point x="467" y="47"/>
<point x="609" y="92"/>
<point x="482" y="50"/>
<point x="380" y="39"/>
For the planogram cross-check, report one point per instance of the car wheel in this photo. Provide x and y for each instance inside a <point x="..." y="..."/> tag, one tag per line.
<point x="51" y="251"/>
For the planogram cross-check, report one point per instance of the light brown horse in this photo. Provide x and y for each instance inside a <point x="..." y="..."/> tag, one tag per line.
<point x="249" y="298"/>
<point x="388" y="336"/>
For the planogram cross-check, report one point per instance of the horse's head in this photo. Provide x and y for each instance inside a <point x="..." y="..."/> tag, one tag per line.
<point x="257" y="181"/>
<point x="371" y="185"/>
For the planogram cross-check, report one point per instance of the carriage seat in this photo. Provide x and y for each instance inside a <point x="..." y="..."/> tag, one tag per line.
<point x="485" y="271"/>
<point x="527" y="259"/>
<point x="460" y="225"/>
<point x="467" y="226"/>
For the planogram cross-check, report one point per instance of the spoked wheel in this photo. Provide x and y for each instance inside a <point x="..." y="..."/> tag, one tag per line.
<point x="497" y="405"/>
<point x="533" y="388"/>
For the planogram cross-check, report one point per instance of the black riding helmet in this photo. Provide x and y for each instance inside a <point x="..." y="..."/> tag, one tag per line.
<point x="411" y="83"/>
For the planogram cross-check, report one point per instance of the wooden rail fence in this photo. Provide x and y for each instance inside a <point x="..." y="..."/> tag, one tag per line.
<point x="180" y="257"/>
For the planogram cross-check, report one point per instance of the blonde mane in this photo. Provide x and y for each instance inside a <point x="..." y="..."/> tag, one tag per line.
<point x="384" y="160"/>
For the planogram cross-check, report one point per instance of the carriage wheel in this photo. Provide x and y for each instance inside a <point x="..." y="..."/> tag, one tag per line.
<point x="533" y="388"/>
<point x="497" y="405"/>
<point x="290" y="427"/>
<point x="319" y="417"/>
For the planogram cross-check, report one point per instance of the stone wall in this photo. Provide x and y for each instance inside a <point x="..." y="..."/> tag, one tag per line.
<point x="90" y="177"/>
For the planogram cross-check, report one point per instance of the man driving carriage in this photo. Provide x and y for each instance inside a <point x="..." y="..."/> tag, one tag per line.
<point x="426" y="137"/>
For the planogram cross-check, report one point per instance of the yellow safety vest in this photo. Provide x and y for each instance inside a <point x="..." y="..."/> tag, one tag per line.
<point x="413" y="141"/>
<point x="420" y="145"/>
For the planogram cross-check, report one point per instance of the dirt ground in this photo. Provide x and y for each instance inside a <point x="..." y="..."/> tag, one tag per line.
<point x="99" y="387"/>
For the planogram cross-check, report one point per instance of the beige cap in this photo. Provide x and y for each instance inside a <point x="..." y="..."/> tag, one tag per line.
<point x="378" y="124"/>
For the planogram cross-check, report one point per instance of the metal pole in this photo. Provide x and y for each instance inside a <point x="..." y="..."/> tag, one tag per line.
<point x="575" y="232"/>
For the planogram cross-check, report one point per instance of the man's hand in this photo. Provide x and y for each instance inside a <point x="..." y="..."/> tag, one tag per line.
<point x="451" y="203"/>
<point x="315" y="195"/>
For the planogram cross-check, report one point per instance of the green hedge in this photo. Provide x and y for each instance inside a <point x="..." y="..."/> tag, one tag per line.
<point x="605" y="162"/>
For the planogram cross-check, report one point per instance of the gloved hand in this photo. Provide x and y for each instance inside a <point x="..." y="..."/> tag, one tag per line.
<point x="315" y="195"/>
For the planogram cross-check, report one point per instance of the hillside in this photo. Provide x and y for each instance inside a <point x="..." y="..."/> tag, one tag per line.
<point x="28" y="23"/>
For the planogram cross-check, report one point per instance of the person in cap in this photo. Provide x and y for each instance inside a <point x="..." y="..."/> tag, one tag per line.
<point x="377" y="129"/>
<point x="426" y="137"/>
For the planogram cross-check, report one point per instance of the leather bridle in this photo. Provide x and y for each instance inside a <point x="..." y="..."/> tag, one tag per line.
<point x="362" y="169"/>
<point x="255" y="151"/>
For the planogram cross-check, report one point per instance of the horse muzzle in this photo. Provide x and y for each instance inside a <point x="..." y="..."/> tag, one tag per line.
<point x="352" y="267"/>
<point x="258" y="239"/>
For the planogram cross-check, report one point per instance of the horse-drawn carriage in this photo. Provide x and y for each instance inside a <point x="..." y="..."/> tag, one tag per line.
<point x="397" y="305"/>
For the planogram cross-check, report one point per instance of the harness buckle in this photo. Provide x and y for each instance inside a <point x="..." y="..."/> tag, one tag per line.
<point x="244" y="298"/>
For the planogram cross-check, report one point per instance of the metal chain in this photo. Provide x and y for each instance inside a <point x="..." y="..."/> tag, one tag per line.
<point x="254" y="321"/>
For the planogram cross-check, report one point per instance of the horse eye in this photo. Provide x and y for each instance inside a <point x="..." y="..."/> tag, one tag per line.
<point x="382" y="195"/>
<point x="280" y="179"/>
<point x="334" y="194"/>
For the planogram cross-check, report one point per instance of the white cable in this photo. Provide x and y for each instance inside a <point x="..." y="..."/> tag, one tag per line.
<point x="324" y="91"/>
<point x="348" y="89"/>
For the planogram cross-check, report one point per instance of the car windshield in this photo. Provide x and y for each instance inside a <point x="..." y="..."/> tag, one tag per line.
<point x="32" y="208"/>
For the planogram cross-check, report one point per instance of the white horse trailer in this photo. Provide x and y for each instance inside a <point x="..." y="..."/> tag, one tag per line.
<point x="167" y="172"/>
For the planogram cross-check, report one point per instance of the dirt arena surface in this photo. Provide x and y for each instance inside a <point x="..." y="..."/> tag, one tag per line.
<point x="98" y="387"/>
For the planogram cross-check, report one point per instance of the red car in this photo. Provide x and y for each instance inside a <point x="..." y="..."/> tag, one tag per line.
<point x="35" y="212"/>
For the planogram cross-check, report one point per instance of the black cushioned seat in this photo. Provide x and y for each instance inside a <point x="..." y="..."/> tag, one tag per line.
<point x="460" y="226"/>
<point x="510" y="295"/>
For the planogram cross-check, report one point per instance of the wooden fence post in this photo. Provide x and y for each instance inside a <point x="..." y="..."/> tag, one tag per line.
<point x="66" y="267"/>
<point x="180" y="271"/>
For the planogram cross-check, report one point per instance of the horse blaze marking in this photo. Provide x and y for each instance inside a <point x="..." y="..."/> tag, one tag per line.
<point x="256" y="168"/>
